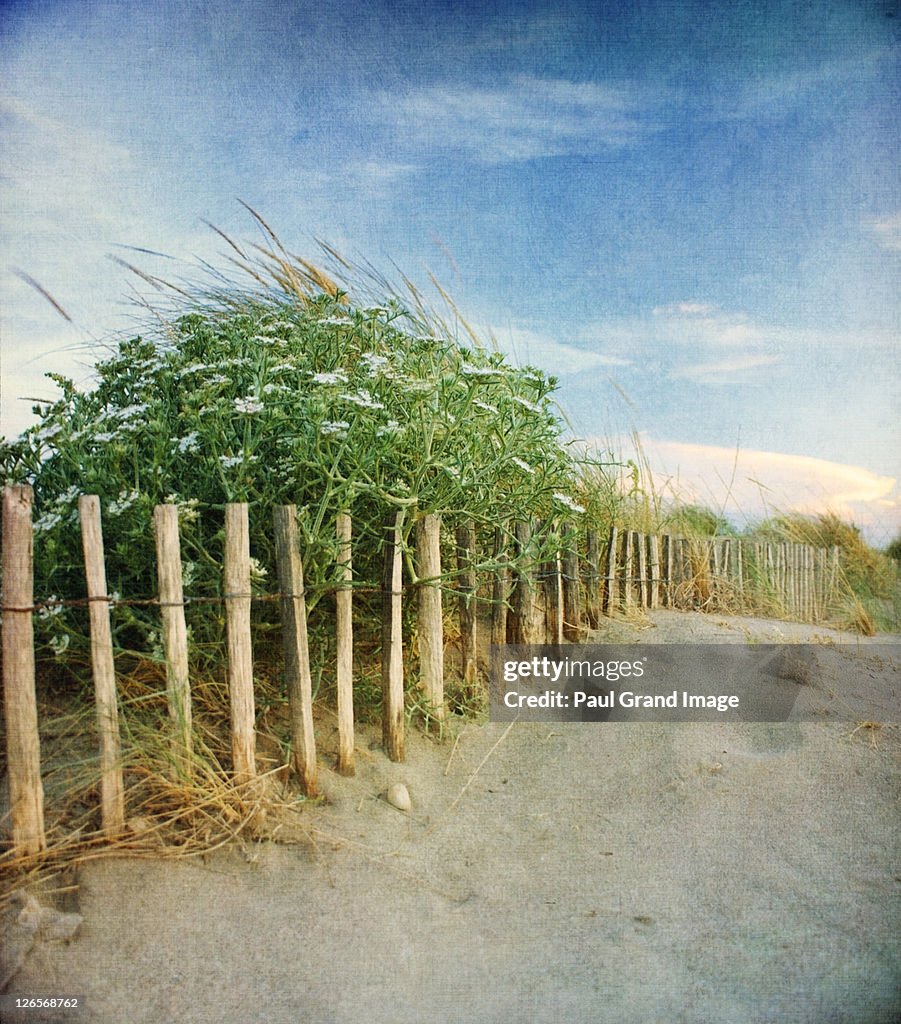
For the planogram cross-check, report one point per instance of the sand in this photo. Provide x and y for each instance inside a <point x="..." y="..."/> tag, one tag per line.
<point x="545" y="872"/>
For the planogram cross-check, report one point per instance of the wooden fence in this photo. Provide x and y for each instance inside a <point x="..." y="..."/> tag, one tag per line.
<point x="719" y="574"/>
<point x="534" y="598"/>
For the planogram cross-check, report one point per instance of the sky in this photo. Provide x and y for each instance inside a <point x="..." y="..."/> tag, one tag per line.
<point x="690" y="212"/>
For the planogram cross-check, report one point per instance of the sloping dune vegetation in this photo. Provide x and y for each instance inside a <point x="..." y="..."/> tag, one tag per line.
<point x="282" y="387"/>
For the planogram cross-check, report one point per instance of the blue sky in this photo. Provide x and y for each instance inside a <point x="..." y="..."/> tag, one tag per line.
<point x="689" y="211"/>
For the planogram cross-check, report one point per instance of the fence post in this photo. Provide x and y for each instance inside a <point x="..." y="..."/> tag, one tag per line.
<point x="431" y="615"/>
<point x="668" y="588"/>
<point x="628" y="546"/>
<point x="715" y="567"/>
<point x="834" y="571"/>
<point x="468" y="620"/>
<point x="112" y="794"/>
<point x="572" y="589"/>
<point x="175" y="633"/>
<point x="528" y="620"/>
<point x="654" y="596"/>
<point x="593" y="579"/>
<point x="345" y="647"/>
<point x="610" y="594"/>
<point x="392" y="641"/>
<point x="23" y="745"/>
<point x="644" y="589"/>
<point x="295" y="645"/>
<point x="552" y="573"/>
<point x="240" y="650"/>
<point x="499" y="590"/>
<point x="690" y="578"/>
<point x="678" y="556"/>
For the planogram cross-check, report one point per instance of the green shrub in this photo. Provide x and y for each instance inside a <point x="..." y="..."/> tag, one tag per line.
<point x="283" y="396"/>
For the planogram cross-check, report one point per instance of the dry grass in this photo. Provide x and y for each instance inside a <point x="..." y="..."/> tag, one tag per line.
<point x="169" y="812"/>
<point x="874" y="729"/>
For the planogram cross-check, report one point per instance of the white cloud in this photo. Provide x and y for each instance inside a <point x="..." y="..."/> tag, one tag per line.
<point x="380" y="171"/>
<point x="522" y="120"/>
<point x="724" y="371"/>
<point x="695" y="340"/>
<point x="886" y="231"/>
<point x="685" y="309"/>
<point x="555" y="357"/>
<point x="748" y="484"/>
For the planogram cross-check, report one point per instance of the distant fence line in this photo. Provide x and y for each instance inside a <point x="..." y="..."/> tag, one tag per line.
<point x="540" y="599"/>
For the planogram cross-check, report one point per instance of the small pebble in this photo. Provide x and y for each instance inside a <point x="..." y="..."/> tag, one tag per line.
<point x="399" y="797"/>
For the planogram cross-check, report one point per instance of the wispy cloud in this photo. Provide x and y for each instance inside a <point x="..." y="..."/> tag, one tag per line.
<point x="685" y="309"/>
<point x="539" y="349"/>
<point x="751" y="484"/>
<point x="381" y="171"/>
<point x="694" y="337"/>
<point x="525" y="118"/>
<point x="724" y="371"/>
<point x="886" y="231"/>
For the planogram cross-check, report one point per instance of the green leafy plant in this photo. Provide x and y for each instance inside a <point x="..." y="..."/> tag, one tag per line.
<point x="289" y="393"/>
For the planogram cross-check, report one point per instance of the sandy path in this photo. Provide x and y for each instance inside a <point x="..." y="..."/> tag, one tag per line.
<point x="588" y="873"/>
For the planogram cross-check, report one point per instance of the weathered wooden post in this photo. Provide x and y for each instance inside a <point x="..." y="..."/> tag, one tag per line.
<point x="240" y="649"/>
<point x="295" y="645"/>
<point x="628" y="548"/>
<point x="344" y="642"/>
<point x="834" y="574"/>
<point x="392" y="640"/>
<point x="678" y="573"/>
<point x="668" y="571"/>
<point x="572" y="589"/>
<point x="528" y="619"/>
<point x="654" y="558"/>
<point x="466" y="556"/>
<point x="552" y="579"/>
<point x="714" y="567"/>
<point x="499" y="588"/>
<point x="644" y="590"/>
<point x="819" y="607"/>
<point x="112" y="792"/>
<point x="23" y="745"/>
<point x="175" y="632"/>
<point x="611" y="592"/>
<point x="431" y="613"/>
<point x="727" y="569"/>
<point x="592" y="579"/>
<point x="690" y="578"/>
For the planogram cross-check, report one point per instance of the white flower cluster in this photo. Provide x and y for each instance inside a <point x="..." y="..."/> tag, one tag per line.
<point x="337" y="377"/>
<point x="188" y="508"/>
<point x="59" y="644"/>
<point x="249" y="405"/>
<point x="48" y="433"/>
<point x="526" y="404"/>
<point x="373" y="362"/>
<point x="479" y="371"/>
<point x="123" y="502"/>
<point x="363" y="399"/>
<point x="392" y="427"/>
<point x="188" y="443"/>
<point x="51" y="608"/>
<point x="336" y="428"/>
<point x="567" y="502"/>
